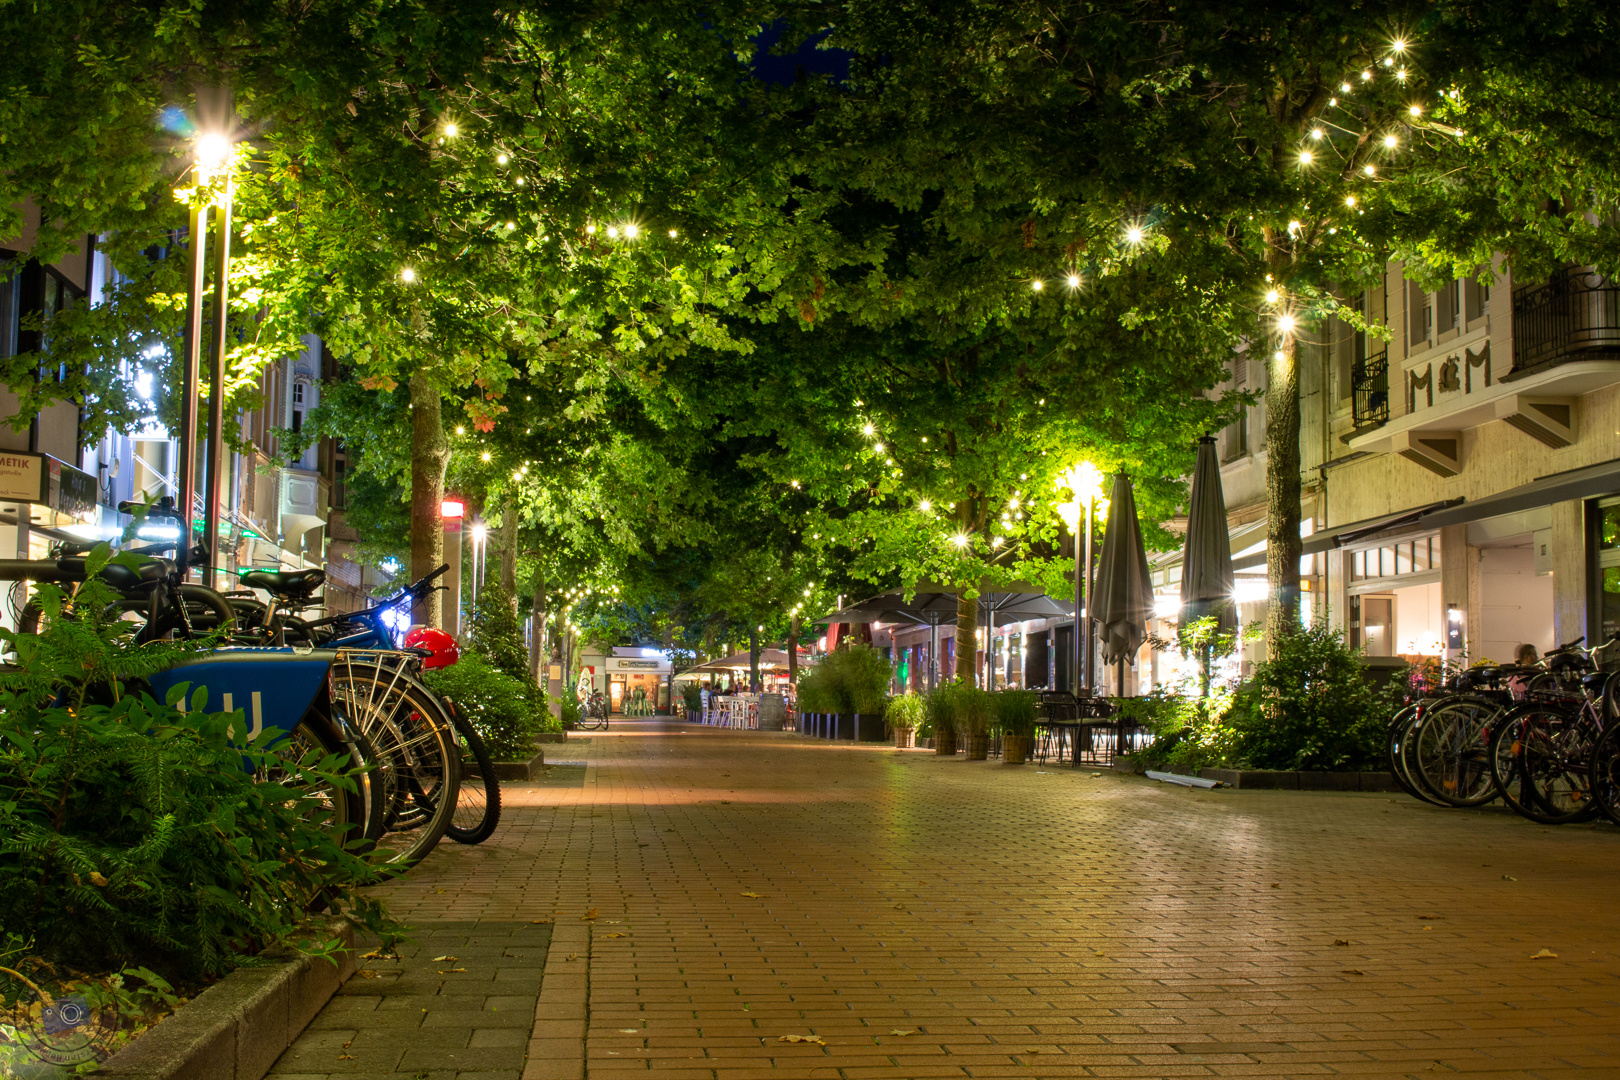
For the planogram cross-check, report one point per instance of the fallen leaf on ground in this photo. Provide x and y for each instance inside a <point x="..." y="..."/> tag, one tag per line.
<point x="1031" y="1050"/>
<point x="379" y="954"/>
<point x="618" y="935"/>
<point x="1509" y="877"/>
<point x="907" y="1031"/>
<point x="817" y="1039"/>
<point x="345" y="1057"/>
<point x="753" y="896"/>
<point x="1340" y="941"/>
<point x="450" y="971"/>
<point x="442" y="959"/>
<point x="369" y="974"/>
<point x="539" y="922"/>
<point x="591" y="914"/>
<point x="573" y="956"/>
<point x="1274" y="885"/>
<point x="1545" y="954"/>
<point x="630" y="1031"/>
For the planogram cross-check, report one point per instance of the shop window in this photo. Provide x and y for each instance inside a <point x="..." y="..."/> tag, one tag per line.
<point x="1607" y="557"/>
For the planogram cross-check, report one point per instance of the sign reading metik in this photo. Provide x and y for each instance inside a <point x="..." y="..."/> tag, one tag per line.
<point x="22" y="477"/>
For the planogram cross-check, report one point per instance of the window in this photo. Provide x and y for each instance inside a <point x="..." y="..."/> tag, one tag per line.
<point x="1607" y="557"/>
<point x="1237" y="437"/>
<point x="1402" y="559"/>
<point x="298" y="394"/>
<point x="1448" y="307"/>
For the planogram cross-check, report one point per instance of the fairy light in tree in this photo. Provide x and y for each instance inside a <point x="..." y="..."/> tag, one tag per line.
<point x="500" y="159"/>
<point x="960" y="540"/>
<point x="1074" y="281"/>
<point x="1415" y="110"/>
<point x="925" y="506"/>
<point x="461" y="431"/>
<point x="1037" y="285"/>
<point x="1285" y="324"/>
<point x="613" y="232"/>
<point x="1390" y="142"/>
<point x="407" y="275"/>
<point x="484" y="456"/>
<point x="590" y="230"/>
<point x="1369" y="169"/>
<point x="867" y="429"/>
<point x="451" y="130"/>
<point x="631" y="231"/>
<point x="1398" y="45"/>
<point x="1133" y="235"/>
<point x="1305" y="157"/>
<point x="1350" y="200"/>
<point x="673" y="234"/>
<point x="1344" y="88"/>
<point x="878" y="448"/>
<point x="1271" y="296"/>
<point x="1316" y="133"/>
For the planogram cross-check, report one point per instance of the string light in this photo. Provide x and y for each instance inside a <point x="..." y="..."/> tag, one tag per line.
<point x="1398" y="45"/>
<point x="1391" y="142"/>
<point x="590" y="230"/>
<point x="511" y="224"/>
<point x="878" y="447"/>
<point x="672" y="234"/>
<point x="407" y="275"/>
<point x="925" y="506"/>
<point x="1133" y="235"/>
<point x="1279" y="356"/>
<point x="484" y="456"/>
<point x="1316" y="133"/>
<point x="960" y="540"/>
<point x="500" y="159"/>
<point x="1285" y="323"/>
<point x="1366" y="76"/>
<point x="1368" y="169"/>
<point x="1344" y="88"/>
<point x="1349" y="200"/>
<point x="1037" y="285"/>
<point x="631" y="231"/>
<point x="1304" y="157"/>
<point x="461" y="431"/>
<point x="518" y="181"/>
<point x="451" y="130"/>
<point x="613" y="232"/>
<point x="1416" y="110"/>
<point x="867" y="430"/>
<point x="1074" y="281"/>
<point x="1401" y="75"/>
<point x="1271" y="296"/>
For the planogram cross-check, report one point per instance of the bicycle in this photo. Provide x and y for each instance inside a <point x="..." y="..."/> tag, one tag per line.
<point x="595" y="715"/>
<point x="477" y="805"/>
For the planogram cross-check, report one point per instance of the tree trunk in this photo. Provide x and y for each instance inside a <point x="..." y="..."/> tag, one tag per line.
<point x="1283" y="544"/>
<point x="430" y="455"/>
<point x="537" y="637"/>
<point x="509" y="537"/>
<point x="753" y="661"/>
<point x="794" y="626"/>
<point x="967" y="630"/>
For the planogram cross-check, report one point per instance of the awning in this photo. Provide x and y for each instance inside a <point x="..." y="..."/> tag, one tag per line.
<point x="1328" y="539"/>
<point x="1583" y="483"/>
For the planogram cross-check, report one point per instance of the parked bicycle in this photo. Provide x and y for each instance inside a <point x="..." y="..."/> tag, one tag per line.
<point x="595" y="714"/>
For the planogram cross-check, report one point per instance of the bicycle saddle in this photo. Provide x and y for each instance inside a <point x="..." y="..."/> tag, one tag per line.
<point x="292" y="584"/>
<point x="117" y="575"/>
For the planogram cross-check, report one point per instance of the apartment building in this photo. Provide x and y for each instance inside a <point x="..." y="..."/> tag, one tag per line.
<point x="1462" y="480"/>
<point x="60" y="481"/>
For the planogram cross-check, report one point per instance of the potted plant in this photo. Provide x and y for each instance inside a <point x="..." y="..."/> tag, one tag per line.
<point x="973" y="718"/>
<point x="941" y="706"/>
<point x="903" y="716"/>
<point x="1015" y="716"/>
<point x="867" y="675"/>
<point x="692" y="702"/>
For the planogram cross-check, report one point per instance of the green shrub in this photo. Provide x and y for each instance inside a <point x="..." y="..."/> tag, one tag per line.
<point x="570" y="712"/>
<point x="692" y="697"/>
<point x="940" y="705"/>
<point x="816" y="694"/>
<point x="1015" y="712"/>
<point x="1189" y="732"/>
<point x="1308" y="707"/>
<point x="497" y="635"/>
<point x="132" y="833"/>
<point x="974" y="710"/>
<point x="904" y="713"/>
<point x="500" y="707"/>
<point x="853" y="679"/>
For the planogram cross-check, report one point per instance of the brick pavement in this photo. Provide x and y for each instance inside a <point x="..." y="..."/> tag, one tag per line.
<point x="1029" y="922"/>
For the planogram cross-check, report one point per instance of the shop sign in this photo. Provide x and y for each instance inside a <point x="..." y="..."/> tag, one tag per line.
<point x="646" y="665"/>
<point x="70" y="491"/>
<point x="22" y="477"/>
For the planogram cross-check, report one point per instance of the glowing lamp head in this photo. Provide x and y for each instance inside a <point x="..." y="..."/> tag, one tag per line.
<point x="1133" y="235"/>
<point x="407" y="275"/>
<point x="1271" y="296"/>
<point x="1074" y="281"/>
<point x="1037" y="285"/>
<point x="452" y="509"/>
<point x="632" y="231"/>
<point x="1285" y="324"/>
<point x="925" y="506"/>
<point x="867" y="429"/>
<point x="451" y="130"/>
<point x="1390" y="142"/>
<point x="501" y="159"/>
<point x="213" y="150"/>
<point x="1305" y="157"/>
<point x="484" y="456"/>
<point x="960" y="540"/>
<point x="1398" y="45"/>
<point x="479" y="531"/>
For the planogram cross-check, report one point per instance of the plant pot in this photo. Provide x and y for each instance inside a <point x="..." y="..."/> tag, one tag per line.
<point x="1014" y="749"/>
<point x="977" y="746"/>
<point x="868" y="727"/>
<point x="944" y="742"/>
<point x="905" y="738"/>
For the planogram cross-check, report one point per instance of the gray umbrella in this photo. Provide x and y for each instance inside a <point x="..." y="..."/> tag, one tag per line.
<point x="1124" y="589"/>
<point x="1206" y="561"/>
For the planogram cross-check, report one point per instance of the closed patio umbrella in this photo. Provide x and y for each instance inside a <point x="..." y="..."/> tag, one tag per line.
<point x="1124" y="601"/>
<point x="1206" y="561"/>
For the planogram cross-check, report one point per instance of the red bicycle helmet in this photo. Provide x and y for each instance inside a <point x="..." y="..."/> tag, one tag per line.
<point x="445" y="649"/>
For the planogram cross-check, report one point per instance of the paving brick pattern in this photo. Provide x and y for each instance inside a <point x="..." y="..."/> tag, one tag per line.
<point x="458" y="1004"/>
<point x="922" y="917"/>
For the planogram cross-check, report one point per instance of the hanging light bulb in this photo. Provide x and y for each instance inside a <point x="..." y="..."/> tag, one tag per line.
<point x="1074" y="281"/>
<point x="1304" y="157"/>
<point x="1037" y="284"/>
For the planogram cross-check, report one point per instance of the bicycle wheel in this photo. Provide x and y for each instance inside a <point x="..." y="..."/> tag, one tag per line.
<point x="1403" y="736"/>
<point x="415" y="743"/>
<point x="314" y="741"/>
<point x="1452" y="751"/>
<point x="1540" y="757"/>
<point x="1605" y="773"/>
<point x="478" y="802"/>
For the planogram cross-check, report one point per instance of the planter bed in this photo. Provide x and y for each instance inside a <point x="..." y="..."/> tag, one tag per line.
<point x="1302" y="781"/>
<point x="552" y="736"/>
<point x="521" y="770"/>
<point x="237" y="1028"/>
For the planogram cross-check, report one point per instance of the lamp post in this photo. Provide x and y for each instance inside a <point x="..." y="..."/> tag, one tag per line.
<point x="480" y="532"/>
<point x="214" y="152"/>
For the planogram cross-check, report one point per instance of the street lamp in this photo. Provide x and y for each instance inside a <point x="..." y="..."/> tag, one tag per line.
<point x="479" y="532"/>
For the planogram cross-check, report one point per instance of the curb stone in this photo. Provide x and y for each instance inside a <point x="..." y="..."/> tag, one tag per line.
<point x="520" y="770"/>
<point x="237" y="1028"/>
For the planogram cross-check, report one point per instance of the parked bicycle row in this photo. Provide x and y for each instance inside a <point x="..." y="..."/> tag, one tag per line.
<point x="338" y="686"/>
<point x="1543" y="737"/>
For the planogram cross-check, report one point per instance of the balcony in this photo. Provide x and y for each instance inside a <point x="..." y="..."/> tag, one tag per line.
<point x="1369" y="380"/>
<point x="1574" y="316"/>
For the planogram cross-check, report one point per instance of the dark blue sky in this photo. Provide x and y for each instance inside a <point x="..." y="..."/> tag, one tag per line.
<point x="784" y="70"/>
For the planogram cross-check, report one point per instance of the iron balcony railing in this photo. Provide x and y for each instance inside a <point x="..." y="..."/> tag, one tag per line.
<point x="1574" y="316"/>
<point x="1369" y="379"/>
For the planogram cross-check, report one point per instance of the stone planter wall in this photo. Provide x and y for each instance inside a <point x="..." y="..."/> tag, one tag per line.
<point x="1303" y="781"/>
